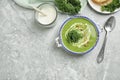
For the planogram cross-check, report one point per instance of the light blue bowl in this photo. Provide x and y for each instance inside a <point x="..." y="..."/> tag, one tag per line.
<point x="61" y="44"/>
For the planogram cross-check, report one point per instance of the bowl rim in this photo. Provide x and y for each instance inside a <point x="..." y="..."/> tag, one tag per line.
<point x="73" y="52"/>
<point x="44" y="3"/>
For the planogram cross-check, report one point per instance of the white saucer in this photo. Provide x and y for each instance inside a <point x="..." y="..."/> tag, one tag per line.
<point x="98" y="8"/>
<point x="29" y="3"/>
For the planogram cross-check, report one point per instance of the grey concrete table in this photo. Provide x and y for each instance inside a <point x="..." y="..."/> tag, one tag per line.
<point x="28" y="52"/>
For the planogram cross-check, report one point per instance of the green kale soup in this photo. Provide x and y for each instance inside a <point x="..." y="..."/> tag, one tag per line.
<point x="79" y="35"/>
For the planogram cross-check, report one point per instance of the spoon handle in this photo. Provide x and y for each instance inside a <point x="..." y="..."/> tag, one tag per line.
<point x="100" y="56"/>
<point x="35" y="8"/>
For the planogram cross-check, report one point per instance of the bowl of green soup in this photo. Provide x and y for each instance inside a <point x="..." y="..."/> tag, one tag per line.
<point x="78" y="35"/>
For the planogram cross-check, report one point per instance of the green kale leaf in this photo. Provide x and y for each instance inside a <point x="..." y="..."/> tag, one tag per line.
<point x="68" y="6"/>
<point x="112" y="6"/>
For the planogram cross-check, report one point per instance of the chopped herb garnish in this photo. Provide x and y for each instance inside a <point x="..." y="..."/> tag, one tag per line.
<point x="73" y="36"/>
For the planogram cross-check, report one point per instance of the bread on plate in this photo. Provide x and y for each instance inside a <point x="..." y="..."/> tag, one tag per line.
<point x="102" y="2"/>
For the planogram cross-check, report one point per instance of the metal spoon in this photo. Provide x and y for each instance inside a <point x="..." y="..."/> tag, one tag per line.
<point x="108" y="27"/>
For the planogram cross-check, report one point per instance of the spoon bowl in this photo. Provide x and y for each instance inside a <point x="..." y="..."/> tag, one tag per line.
<point x="110" y="24"/>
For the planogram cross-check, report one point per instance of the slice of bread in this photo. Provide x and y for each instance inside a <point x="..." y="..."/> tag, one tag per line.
<point x="102" y="2"/>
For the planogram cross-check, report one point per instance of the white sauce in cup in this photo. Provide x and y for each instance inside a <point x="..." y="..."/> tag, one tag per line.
<point x="50" y="14"/>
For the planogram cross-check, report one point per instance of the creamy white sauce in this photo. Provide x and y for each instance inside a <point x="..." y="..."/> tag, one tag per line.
<point x="50" y="14"/>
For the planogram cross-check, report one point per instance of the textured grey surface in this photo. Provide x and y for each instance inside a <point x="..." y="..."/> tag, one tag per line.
<point x="28" y="51"/>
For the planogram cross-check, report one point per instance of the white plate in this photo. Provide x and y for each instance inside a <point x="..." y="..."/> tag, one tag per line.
<point x="29" y="3"/>
<point x="98" y="8"/>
